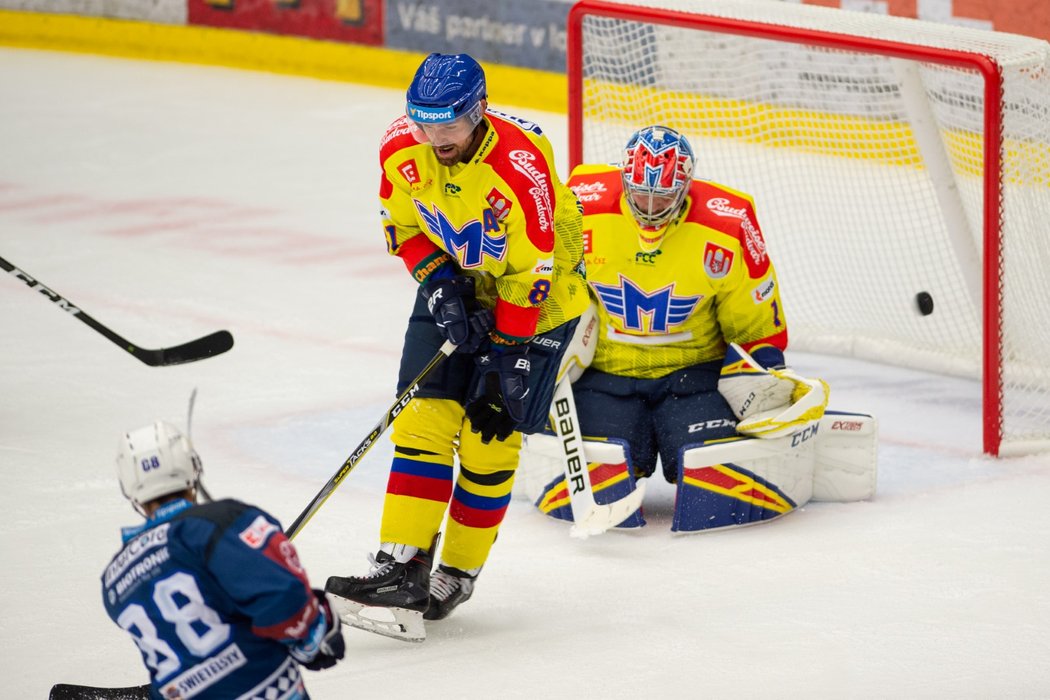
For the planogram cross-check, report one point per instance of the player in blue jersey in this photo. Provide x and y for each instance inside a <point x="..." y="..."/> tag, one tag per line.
<point x="213" y="595"/>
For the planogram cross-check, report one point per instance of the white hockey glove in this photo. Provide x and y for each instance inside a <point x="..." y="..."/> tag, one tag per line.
<point x="769" y="403"/>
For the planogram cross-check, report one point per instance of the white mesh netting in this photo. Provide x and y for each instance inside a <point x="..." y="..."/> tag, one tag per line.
<point x="867" y="170"/>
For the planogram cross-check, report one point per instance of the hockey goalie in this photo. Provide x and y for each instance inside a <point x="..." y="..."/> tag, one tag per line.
<point x="683" y="367"/>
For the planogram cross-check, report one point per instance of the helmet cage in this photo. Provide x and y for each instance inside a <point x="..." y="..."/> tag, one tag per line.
<point x="657" y="170"/>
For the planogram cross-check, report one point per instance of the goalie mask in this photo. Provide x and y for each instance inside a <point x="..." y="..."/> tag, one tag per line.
<point x="156" y="461"/>
<point x="445" y="100"/>
<point x="657" y="171"/>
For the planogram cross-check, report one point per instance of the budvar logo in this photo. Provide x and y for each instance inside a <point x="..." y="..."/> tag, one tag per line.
<point x="589" y="191"/>
<point x="540" y="191"/>
<point x="720" y="207"/>
<point x="755" y="246"/>
<point x="398" y="128"/>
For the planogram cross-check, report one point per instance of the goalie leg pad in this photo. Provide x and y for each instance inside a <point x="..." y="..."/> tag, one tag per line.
<point x="743" y="481"/>
<point x="608" y="465"/>
<point x="846" y="457"/>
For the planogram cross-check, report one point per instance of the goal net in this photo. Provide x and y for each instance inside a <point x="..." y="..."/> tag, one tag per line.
<point x="901" y="171"/>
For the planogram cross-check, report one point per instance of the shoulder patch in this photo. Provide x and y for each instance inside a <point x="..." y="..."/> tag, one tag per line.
<point x="398" y="135"/>
<point x="522" y="165"/>
<point x="718" y="261"/>
<point x="598" y="192"/>
<point x="734" y="215"/>
<point x="255" y="534"/>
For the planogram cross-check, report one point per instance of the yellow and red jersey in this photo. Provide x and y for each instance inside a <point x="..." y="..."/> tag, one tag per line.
<point x="710" y="283"/>
<point x="505" y="218"/>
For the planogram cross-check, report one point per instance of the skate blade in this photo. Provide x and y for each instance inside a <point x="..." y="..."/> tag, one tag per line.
<point x="396" y="623"/>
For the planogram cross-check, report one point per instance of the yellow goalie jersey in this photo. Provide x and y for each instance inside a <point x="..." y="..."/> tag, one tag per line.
<point x="711" y="281"/>
<point x="505" y="218"/>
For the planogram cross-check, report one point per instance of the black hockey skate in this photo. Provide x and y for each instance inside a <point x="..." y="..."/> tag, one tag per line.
<point x="390" y="600"/>
<point x="449" y="588"/>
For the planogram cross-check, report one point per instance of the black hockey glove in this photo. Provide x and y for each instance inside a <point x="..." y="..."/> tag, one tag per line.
<point x="497" y="404"/>
<point x="456" y="312"/>
<point x="324" y="646"/>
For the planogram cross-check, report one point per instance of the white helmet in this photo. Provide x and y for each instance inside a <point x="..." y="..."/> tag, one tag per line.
<point x="155" y="461"/>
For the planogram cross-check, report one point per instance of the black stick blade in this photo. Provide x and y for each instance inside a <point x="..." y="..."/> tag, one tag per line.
<point x="199" y="349"/>
<point x="67" y="691"/>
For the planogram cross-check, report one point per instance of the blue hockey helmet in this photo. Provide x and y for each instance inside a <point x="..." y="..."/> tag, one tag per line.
<point x="657" y="171"/>
<point x="445" y="88"/>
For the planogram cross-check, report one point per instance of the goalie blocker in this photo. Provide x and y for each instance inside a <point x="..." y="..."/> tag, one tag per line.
<point x="796" y="452"/>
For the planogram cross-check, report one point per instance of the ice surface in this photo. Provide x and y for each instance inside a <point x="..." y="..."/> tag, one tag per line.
<point x="170" y="201"/>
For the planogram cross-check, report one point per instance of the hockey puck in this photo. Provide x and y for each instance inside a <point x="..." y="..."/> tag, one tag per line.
<point x="925" y="303"/>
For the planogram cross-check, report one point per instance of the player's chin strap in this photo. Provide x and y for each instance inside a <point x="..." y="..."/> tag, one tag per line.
<point x="770" y="403"/>
<point x="589" y="517"/>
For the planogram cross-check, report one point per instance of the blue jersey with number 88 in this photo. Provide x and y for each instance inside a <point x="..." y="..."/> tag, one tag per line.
<point x="213" y="596"/>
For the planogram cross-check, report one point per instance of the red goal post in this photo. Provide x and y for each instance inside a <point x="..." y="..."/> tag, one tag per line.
<point x="890" y="159"/>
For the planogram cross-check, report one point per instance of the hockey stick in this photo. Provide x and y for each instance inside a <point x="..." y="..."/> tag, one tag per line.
<point x="214" y="344"/>
<point x="399" y="405"/>
<point x="589" y="518"/>
<point x="66" y="691"/>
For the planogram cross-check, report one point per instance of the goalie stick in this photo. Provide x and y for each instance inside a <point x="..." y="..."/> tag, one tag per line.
<point x="68" y="691"/>
<point x="589" y="518"/>
<point x="199" y="349"/>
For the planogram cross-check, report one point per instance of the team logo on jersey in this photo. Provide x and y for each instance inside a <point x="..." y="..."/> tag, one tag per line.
<point x="500" y="203"/>
<point x="452" y="190"/>
<point x="255" y="534"/>
<point x="410" y="171"/>
<point x="471" y="242"/>
<point x="717" y="260"/>
<point x="630" y="303"/>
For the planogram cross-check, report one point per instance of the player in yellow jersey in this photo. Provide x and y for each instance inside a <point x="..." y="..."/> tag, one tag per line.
<point x="680" y="271"/>
<point x="473" y="206"/>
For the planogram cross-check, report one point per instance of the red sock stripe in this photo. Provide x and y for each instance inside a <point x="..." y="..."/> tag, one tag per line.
<point x="476" y="517"/>
<point x="428" y="488"/>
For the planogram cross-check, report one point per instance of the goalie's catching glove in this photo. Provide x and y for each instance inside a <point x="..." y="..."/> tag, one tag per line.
<point x="323" y="646"/>
<point x="769" y="403"/>
<point x="456" y="312"/>
<point x="497" y="403"/>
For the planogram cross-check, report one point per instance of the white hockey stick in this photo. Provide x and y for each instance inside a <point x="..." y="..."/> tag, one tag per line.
<point x="589" y="518"/>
